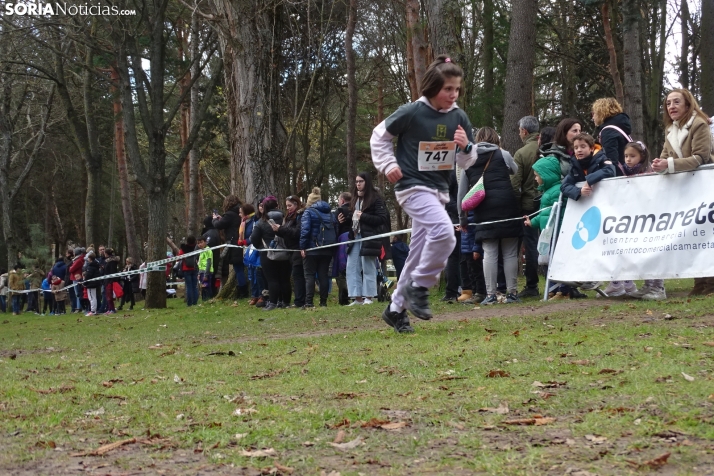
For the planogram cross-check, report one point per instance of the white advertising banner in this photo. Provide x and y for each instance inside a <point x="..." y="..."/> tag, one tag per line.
<point x="645" y="227"/>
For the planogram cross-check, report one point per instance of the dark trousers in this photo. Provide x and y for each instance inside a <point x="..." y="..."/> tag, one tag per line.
<point x="319" y="264"/>
<point x="16" y="303"/>
<point x="530" y="240"/>
<point x="453" y="269"/>
<point x="109" y="296"/>
<point x="190" y="279"/>
<point x="128" y="295"/>
<point x="472" y="277"/>
<point x="48" y="302"/>
<point x="73" y="298"/>
<point x="33" y="301"/>
<point x="277" y="276"/>
<point x="3" y="303"/>
<point x="299" y="284"/>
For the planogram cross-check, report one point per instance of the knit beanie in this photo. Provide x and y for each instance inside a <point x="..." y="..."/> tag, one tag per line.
<point x="269" y="197"/>
<point x="315" y="196"/>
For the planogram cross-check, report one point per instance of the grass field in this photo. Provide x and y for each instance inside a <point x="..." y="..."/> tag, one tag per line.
<point x="581" y="387"/>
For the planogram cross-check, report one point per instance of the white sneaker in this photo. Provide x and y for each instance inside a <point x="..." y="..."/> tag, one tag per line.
<point x="630" y="287"/>
<point x="614" y="290"/>
<point x="355" y="303"/>
<point x="655" y="295"/>
<point x="367" y="301"/>
<point x="638" y="293"/>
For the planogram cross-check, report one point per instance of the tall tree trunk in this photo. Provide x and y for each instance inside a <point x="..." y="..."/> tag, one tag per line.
<point x="250" y="50"/>
<point x="194" y="220"/>
<point x="633" y="66"/>
<point x="684" y="55"/>
<point x="614" y="71"/>
<point x="351" y="93"/>
<point x="707" y="54"/>
<point x="487" y="66"/>
<point x="123" y="172"/>
<point x="415" y="32"/>
<point x="519" y="70"/>
<point x="158" y="111"/>
<point x="444" y="21"/>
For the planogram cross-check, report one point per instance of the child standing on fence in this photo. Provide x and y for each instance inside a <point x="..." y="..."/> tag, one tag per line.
<point x="428" y="131"/>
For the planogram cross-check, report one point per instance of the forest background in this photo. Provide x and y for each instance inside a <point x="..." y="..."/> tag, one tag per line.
<point x="123" y="129"/>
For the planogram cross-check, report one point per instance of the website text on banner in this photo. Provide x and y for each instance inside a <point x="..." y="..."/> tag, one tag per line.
<point x="648" y="227"/>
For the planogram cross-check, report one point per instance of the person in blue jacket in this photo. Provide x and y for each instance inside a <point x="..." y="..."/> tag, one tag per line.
<point x="318" y="227"/>
<point x="589" y="165"/>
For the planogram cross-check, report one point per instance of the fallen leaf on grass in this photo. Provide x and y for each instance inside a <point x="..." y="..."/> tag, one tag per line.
<point x="349" y="395"/>
<point x="394" y="426"/>
<point x="259" y="453"/>
<point x="349" y="445"/>
<point x="339" y="424"/>
<point x="106" y="448"/>
<point x="549" y="384"/>
<point x="709" y="344"/>
<point x="656" y="463"/>
<point x="668" y="378"/>
<point x="373" y="423"/>
<point x="244" y="411"/>
<point x="610" y="371"/>
<point x="99" y="411"/>
<point x="502" y="409"/>
<point x="340" y="437"/>
<point x="580" y="362"/>
<point x="156" y="346"/>
<point x="537" y="421"/>
<point x="284" y="469"/>
<point x="497" y="373"/>
<point x="274" y="373"/>
<point x="46" y="444"/>
<point x="596" y="439"/>
<point x="688" y="378"/>
<point x="63" y="389"/>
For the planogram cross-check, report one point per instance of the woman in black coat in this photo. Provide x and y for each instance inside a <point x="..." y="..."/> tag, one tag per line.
<point x="496" y="166"/>
<point x="229" y="222"/>
<point x="369" y="218"/>
<point x="276" y="272"/>
<point x="290" y="232"/>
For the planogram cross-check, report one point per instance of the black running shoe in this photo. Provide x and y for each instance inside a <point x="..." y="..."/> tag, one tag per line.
<point x="417" y="300"/>
<point x="575" y="294"/>
<point x="397" y="320"/>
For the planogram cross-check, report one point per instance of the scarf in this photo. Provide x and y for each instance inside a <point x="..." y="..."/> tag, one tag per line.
<point x="634" y="170"/>
<point x="241" y="229"/>
<point x="585" y="163"/>
<point x="677" y="134"/>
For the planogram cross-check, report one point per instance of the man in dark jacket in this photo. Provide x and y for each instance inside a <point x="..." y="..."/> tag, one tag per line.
<point x="524" y="185"/>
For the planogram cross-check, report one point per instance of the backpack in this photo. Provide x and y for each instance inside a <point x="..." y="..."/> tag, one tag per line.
<point x="274" y="249"/>
<point x="629" y="139"/>
<point x="328" y="232"/>
<point x="191" y="261"/>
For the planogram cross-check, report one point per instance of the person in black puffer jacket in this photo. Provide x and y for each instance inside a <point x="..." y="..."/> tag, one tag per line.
<point x="276" y="272"/>
<point x="369" y="218"/>
<point x="290" y="232"/>
<point x="610" y="120"/>
<point x="229" y="222"/>
<point x="93" y="271"/>
<point x="496" y="165"/>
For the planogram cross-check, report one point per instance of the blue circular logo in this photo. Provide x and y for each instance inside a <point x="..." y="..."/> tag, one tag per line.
<point x="587" y="228"/>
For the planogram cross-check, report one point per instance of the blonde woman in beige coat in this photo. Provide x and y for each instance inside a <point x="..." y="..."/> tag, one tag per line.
<point x="688" y="144"/>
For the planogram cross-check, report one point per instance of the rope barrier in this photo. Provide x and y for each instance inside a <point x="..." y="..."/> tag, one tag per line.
<point x="159" y="264"/>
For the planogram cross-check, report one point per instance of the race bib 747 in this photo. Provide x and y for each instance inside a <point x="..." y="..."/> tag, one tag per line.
<point x="436" y="156"/>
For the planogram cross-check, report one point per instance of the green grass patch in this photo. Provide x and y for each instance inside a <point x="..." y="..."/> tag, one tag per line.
<point x="623" y="382"/>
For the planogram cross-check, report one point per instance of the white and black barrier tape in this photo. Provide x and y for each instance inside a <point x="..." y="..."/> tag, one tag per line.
<point x="158" y="265"/>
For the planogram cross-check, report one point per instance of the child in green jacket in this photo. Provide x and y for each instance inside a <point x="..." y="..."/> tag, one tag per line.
<point x="205" y="269"/>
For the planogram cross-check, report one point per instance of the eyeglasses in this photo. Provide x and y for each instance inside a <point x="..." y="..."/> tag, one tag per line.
<point x="359" y="181"/>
